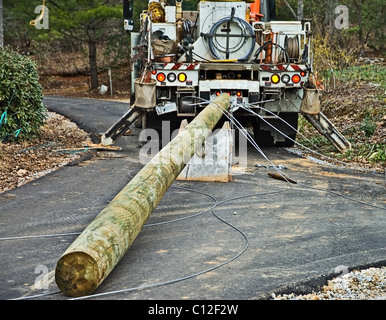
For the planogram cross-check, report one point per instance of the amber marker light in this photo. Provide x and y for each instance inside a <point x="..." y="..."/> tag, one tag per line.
<point x="181" y="77"/>
<point x="275" y="78"/>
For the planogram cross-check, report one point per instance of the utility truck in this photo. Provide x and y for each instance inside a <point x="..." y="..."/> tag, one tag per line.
<point x="182" y="59"/>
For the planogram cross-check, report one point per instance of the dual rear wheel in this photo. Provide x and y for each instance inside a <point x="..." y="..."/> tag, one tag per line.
<point x="275" y="132"/>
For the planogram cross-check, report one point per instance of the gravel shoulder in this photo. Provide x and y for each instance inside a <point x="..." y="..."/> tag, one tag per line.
<point x="365" y="284"/>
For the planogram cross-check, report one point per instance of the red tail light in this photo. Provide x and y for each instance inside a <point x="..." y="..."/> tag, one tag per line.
<point x="296" y="78"/>
<point x="161" y="77"/>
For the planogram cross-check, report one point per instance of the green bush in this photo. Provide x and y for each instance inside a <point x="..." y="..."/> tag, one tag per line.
<point x="22" y="112"/>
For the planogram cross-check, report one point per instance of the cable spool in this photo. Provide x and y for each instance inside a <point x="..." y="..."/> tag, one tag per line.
<point x="292" y="46"/>
<point x="217" y="49"/>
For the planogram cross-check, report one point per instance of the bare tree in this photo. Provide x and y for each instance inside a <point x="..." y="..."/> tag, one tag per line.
<point x="300" y="14"/>
<point x="1" y="25"/>
<point x="289" y="7"/>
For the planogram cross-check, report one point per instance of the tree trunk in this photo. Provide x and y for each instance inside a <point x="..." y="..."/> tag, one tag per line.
<point x="94" y="254"/>
<point x="93" y="59"/>
<point x="300" y="11"/>
<point x="360" y="32"/>
<point x="1" y="25"/>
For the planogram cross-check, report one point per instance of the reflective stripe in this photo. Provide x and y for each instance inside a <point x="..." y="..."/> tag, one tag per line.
<point x="181" y="66"/>
<point x="281" y="67"/>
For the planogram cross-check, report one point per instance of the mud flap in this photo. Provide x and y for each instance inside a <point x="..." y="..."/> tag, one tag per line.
<point x="214" y="164"/>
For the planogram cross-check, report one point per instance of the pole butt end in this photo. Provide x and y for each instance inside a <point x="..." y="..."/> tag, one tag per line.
<point x="77" y="274"/>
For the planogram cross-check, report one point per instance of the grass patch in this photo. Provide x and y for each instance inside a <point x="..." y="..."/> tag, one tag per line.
<point x="375" y="74"/>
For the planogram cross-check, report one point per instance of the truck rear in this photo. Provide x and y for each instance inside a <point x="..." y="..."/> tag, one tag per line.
<point x="183" y="59"/>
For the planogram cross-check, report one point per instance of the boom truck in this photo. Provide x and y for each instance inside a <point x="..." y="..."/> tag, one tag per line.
<point x="182" y="58"/>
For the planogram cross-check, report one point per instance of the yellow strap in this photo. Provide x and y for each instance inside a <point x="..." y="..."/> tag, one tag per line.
<point x="33" y="22"/>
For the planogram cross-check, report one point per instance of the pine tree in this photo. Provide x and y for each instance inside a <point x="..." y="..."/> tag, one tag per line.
<point x="86" y="21"/>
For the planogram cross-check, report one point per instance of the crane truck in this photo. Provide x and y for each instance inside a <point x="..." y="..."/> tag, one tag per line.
<point x="184" y="58"/>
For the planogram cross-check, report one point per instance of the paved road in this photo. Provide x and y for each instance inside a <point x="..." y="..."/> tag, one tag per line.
<point x="263" y="235"/>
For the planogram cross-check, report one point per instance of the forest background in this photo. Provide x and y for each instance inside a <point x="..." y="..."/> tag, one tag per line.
<point x="83" y="44"/>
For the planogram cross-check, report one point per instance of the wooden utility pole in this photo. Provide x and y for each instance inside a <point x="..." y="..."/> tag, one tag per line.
<point x="94" y="254"/>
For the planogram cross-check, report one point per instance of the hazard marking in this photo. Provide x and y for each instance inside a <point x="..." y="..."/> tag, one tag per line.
<point x="181" y="66"/>
<point x="281" y="67"/>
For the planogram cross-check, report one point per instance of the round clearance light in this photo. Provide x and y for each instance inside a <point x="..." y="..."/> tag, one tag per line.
<point x="285" y="78"/>
<point x="171" y="77"/>
<point x="296" y="78"/>
<point x="181" y="77"/>
<point x="154" y="72"/>
<point x="275" y="78"/>
<point x="239" y="94"/>
<point x="303" y="73"/>
<point x="161" y="77"/>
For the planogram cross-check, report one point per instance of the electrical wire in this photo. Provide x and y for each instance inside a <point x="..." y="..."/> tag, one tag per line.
<point x="283" y="50"/>
<point x="237" y="124"/>
<point x="298" y="132"/>
<point x="251" y="140"/>
<point x="212" y="209"/>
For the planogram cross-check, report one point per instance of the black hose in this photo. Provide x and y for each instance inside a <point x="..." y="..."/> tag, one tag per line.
<point x="243" y="25"/>
<point x="279" y="46"/>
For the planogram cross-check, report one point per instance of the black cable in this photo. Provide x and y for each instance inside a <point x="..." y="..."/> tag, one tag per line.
<point x="279" y="46"/>
<point x="245" y="26"/>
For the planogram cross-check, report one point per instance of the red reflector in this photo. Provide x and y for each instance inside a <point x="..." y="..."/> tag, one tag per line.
<point x="295" y="78"/>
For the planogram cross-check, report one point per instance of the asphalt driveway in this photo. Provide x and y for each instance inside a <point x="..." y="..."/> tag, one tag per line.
<point x="238" y="240"/>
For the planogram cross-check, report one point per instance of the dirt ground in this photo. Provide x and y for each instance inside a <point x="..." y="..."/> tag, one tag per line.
<point x="26" y="161"/>
<point x="358" y="111"/>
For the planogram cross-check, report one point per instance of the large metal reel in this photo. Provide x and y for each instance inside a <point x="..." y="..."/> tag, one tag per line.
<point x="292" y="46"/>
<point x="227" y="39"/>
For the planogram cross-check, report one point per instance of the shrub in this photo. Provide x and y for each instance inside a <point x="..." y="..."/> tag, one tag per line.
<point x="22" y="112"/>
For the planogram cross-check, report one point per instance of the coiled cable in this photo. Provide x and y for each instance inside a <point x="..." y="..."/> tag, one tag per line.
<point x="247" y="31"/>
